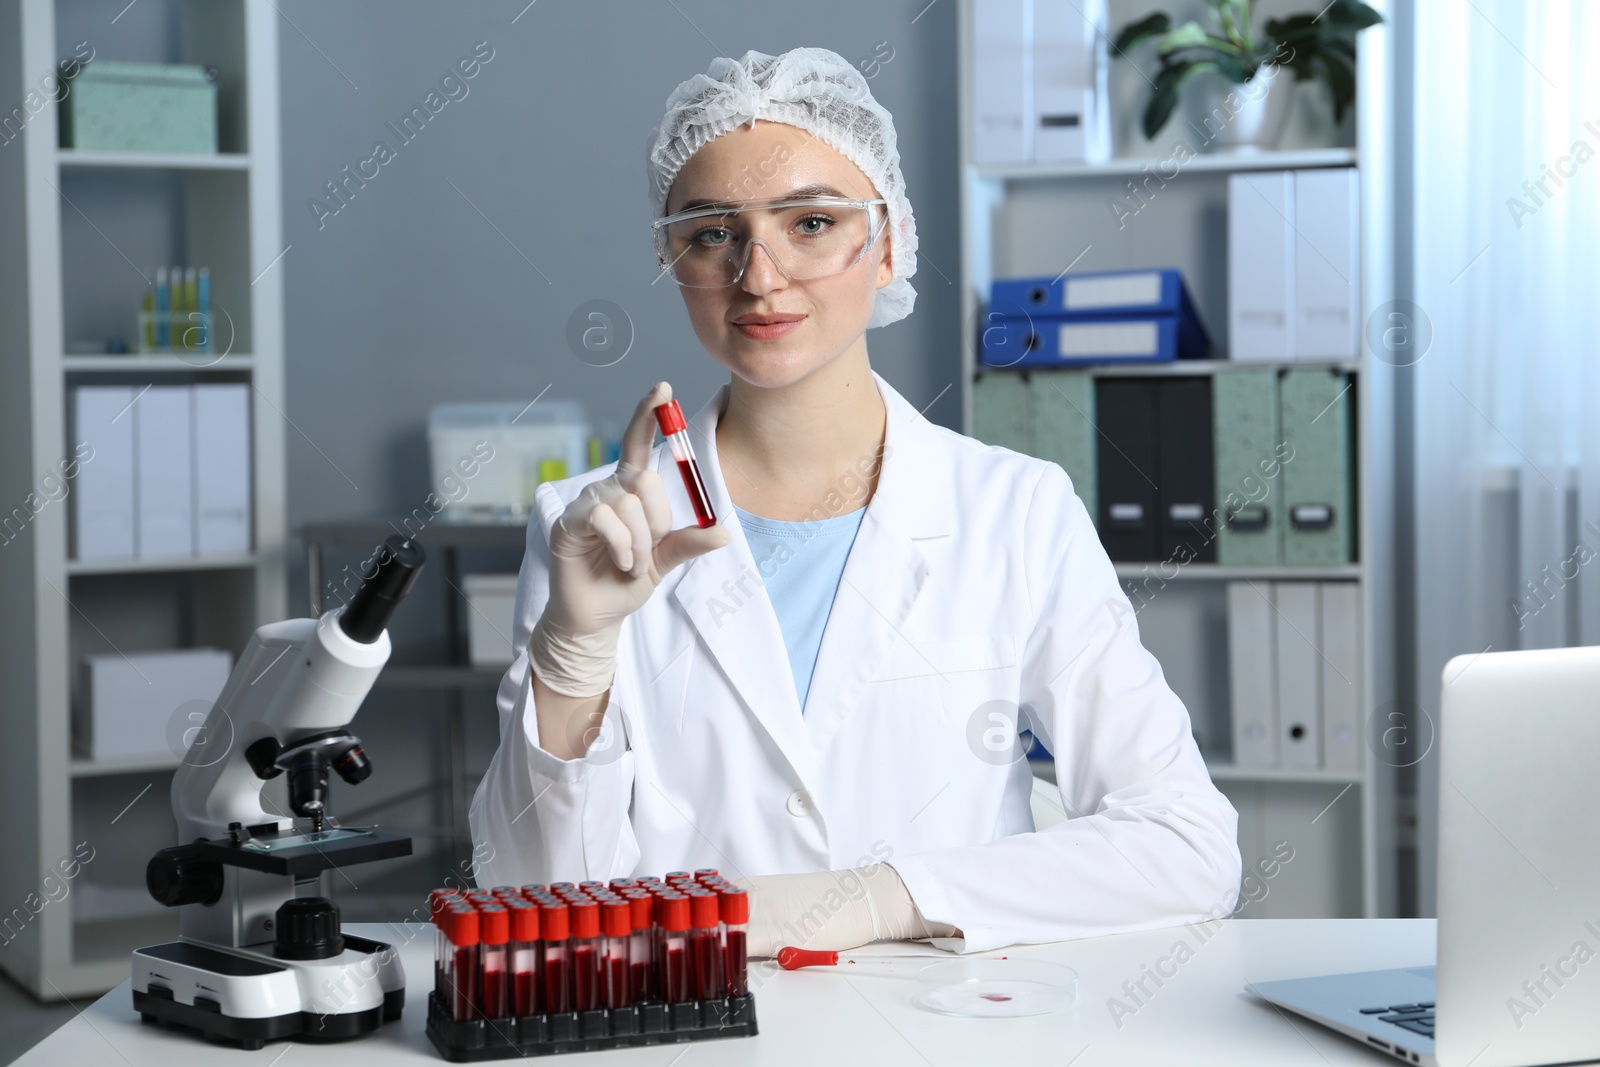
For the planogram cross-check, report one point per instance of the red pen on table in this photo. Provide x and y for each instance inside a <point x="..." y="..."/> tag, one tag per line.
<point x="792" y="959"/>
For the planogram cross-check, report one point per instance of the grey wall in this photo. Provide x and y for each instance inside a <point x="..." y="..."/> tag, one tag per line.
<point x="411" y="295"/>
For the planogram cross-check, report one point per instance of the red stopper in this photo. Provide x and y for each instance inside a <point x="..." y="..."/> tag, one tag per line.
<point x="494" y="925"/>
<point x="675" y="912"/>
<point x="462" y="927"/>
<point x="585" y="918"/>
<point x="616" y="918"/>
<point x="524" y="922"/>
<point x="642" y="905"/>
<point x="554" y="922"/>
<point x="703" y="910"/>
<point x="735" y="904"/>
<point x="669" y="417"/>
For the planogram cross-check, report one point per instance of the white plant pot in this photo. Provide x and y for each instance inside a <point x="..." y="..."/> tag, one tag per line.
<point x="1246" y="118"/>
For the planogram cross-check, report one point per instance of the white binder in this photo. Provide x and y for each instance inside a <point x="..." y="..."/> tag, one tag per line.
<point x="102" y="493"/>
<point x="1002" y="81"/>
<point x="1070" y="115"/>
<point x="163" y="472"/>
<point x="1252" y="636"/>
<point x="221" y="446"/>
<point x="1327" y="271"/>
<point x="1261" y="263"/>
<point x="1342" y="728"/>
<point x="1299" y="674"/>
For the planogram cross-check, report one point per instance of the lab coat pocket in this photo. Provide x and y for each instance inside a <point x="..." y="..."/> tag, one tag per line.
<point x="948" y="679"/>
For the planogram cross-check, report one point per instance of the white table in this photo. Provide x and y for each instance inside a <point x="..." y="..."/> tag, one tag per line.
<point x="822" y="1018"/>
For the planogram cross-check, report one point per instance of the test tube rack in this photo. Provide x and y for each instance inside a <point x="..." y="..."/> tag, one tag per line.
<point x="649" y="1023"/>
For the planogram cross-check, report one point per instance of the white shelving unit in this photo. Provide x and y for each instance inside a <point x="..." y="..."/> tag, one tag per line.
<point x="1026" y="220"/>
<point x="224" y="212"/>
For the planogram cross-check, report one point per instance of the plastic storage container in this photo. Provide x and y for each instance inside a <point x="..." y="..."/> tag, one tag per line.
<point x="488" y="458"/>
<point x="141" y="107"/>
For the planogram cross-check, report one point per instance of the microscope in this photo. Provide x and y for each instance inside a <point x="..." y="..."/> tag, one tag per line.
<point x="261" y="955"/>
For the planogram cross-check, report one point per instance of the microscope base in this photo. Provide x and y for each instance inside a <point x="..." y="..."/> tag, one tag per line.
<point x="248" y="998"/>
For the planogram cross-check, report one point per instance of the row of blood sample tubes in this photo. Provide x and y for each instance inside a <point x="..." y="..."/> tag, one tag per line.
<point x="578" y="947"/>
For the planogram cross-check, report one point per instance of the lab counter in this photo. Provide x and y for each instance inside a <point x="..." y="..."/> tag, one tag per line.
<point x="1162" y="997"/>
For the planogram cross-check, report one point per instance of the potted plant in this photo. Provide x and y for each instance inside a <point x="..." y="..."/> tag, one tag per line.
<point x="1313" y="45"/>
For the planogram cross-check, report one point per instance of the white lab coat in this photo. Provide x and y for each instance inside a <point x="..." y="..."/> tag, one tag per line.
<point x="975" y="585"/>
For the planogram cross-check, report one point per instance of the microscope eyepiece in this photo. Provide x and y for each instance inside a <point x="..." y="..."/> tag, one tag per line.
<point x="399" y="561"/>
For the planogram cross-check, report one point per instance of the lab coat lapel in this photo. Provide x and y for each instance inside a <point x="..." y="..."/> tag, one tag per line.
<point x="886" y="569"/>
<point x="723" y="596"/>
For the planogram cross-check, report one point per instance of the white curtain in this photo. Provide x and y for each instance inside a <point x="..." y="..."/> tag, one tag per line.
<point x="1507" y="398"/>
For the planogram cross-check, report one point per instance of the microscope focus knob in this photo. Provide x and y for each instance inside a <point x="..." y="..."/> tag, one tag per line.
<point x="308" y="929"/>
<point x="177" y="876"/>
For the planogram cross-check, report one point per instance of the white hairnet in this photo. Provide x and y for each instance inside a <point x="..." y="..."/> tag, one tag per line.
<point x="812" y="89"/>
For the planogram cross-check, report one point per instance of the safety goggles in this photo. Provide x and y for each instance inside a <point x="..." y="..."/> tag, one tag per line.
<point x="811" y="237"/>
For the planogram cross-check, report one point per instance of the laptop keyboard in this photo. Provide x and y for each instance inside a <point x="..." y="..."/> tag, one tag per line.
<point x="1418" y="1018"/>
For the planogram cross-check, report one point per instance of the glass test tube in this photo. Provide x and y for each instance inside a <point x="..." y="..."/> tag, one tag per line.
<point x="462" y="928"/>
<point x="616" y="922"/>
<point x="585" y="955"/>
<point x="494" y="933"/>
<point x="673" y="950"/>
<point x="675" y="428"/>
<point x="734" y="908"/>
<point x="553" y="979"/>
<point x="524" y="957"/>
<point x="641" y="945"/>
<point x="705" y="946"/>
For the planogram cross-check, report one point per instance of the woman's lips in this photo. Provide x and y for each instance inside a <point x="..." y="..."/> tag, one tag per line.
<point x="768" y="331"/>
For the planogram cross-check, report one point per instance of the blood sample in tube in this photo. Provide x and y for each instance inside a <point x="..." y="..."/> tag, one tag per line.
<point x="641" y="945"/>
<point x="524" y="958"/>
<point x="616" y="924"/>
<point x="553" y="979"/>
<point x="585" y="955"/>
<point x="674" y="952"/>
<point x="494" y="931"/>
<point x="463" y="932"/>
<point x="734" y="908"/>
<point x="705" y="946"/>
<point x="675" y="428"/>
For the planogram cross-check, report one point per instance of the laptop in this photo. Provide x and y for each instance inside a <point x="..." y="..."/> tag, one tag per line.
<point x="1516" y="981"/>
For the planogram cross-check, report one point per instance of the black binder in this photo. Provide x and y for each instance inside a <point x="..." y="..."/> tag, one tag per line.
<point x="1127" y="467"/>
<point x="1187" y="526"/>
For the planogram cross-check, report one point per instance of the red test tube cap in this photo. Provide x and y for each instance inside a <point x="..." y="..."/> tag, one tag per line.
<point x="524" y="922"/>
<point x="616" y="918"/>
<point x="462" y="927"/>
<point x="642" y="905"/>
<point x="554" y="924"/>
<point x="585" y="918"/>
<point x="675" y="912"/>
<point x="734" y="904"/>
<point x="702" y="873"/>
<point x="494" y="925"/>
<point x="669" y="417"/>
<point x="703" y="910"/>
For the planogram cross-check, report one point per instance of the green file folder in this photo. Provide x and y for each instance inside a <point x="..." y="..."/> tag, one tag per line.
<point x="1315" y="412"/>
<point x="1002" y="412"/>
<point x="1064" y="428"/>
<point x="1043" y="413"/>
<point x="1249" y="471"/>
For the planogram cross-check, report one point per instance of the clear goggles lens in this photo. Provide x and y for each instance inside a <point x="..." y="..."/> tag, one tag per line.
<point x="811" y="238"/>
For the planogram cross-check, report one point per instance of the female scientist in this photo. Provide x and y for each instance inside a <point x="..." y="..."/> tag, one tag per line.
<point x="821" y="694"/>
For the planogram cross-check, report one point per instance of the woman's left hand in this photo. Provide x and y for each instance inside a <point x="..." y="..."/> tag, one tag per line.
<point x="833" y="910"/>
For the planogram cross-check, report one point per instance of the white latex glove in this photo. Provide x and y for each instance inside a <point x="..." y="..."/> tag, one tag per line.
<point x="834" y="910"/>
<point x="608" y="552"/>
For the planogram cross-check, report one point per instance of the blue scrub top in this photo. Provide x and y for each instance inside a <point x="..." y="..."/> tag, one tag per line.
<point x="800" y="564"/>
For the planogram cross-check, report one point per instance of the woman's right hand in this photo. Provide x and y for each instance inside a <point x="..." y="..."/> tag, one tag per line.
<point x="608" y="551"/>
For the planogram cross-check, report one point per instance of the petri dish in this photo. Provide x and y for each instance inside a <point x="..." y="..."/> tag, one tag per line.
<point x="995" y="989"/>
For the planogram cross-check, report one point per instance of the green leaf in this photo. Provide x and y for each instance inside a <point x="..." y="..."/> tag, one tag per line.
<point x="1150" y="26"/>
<point x="1349" y="16"/>
<point x="1340" y="73"/>
<point x="1188" y="35"/>
<point x="1165" y="97"/>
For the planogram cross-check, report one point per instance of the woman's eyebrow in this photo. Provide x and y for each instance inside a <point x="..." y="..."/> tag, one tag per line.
<point x="814" y="189"/>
